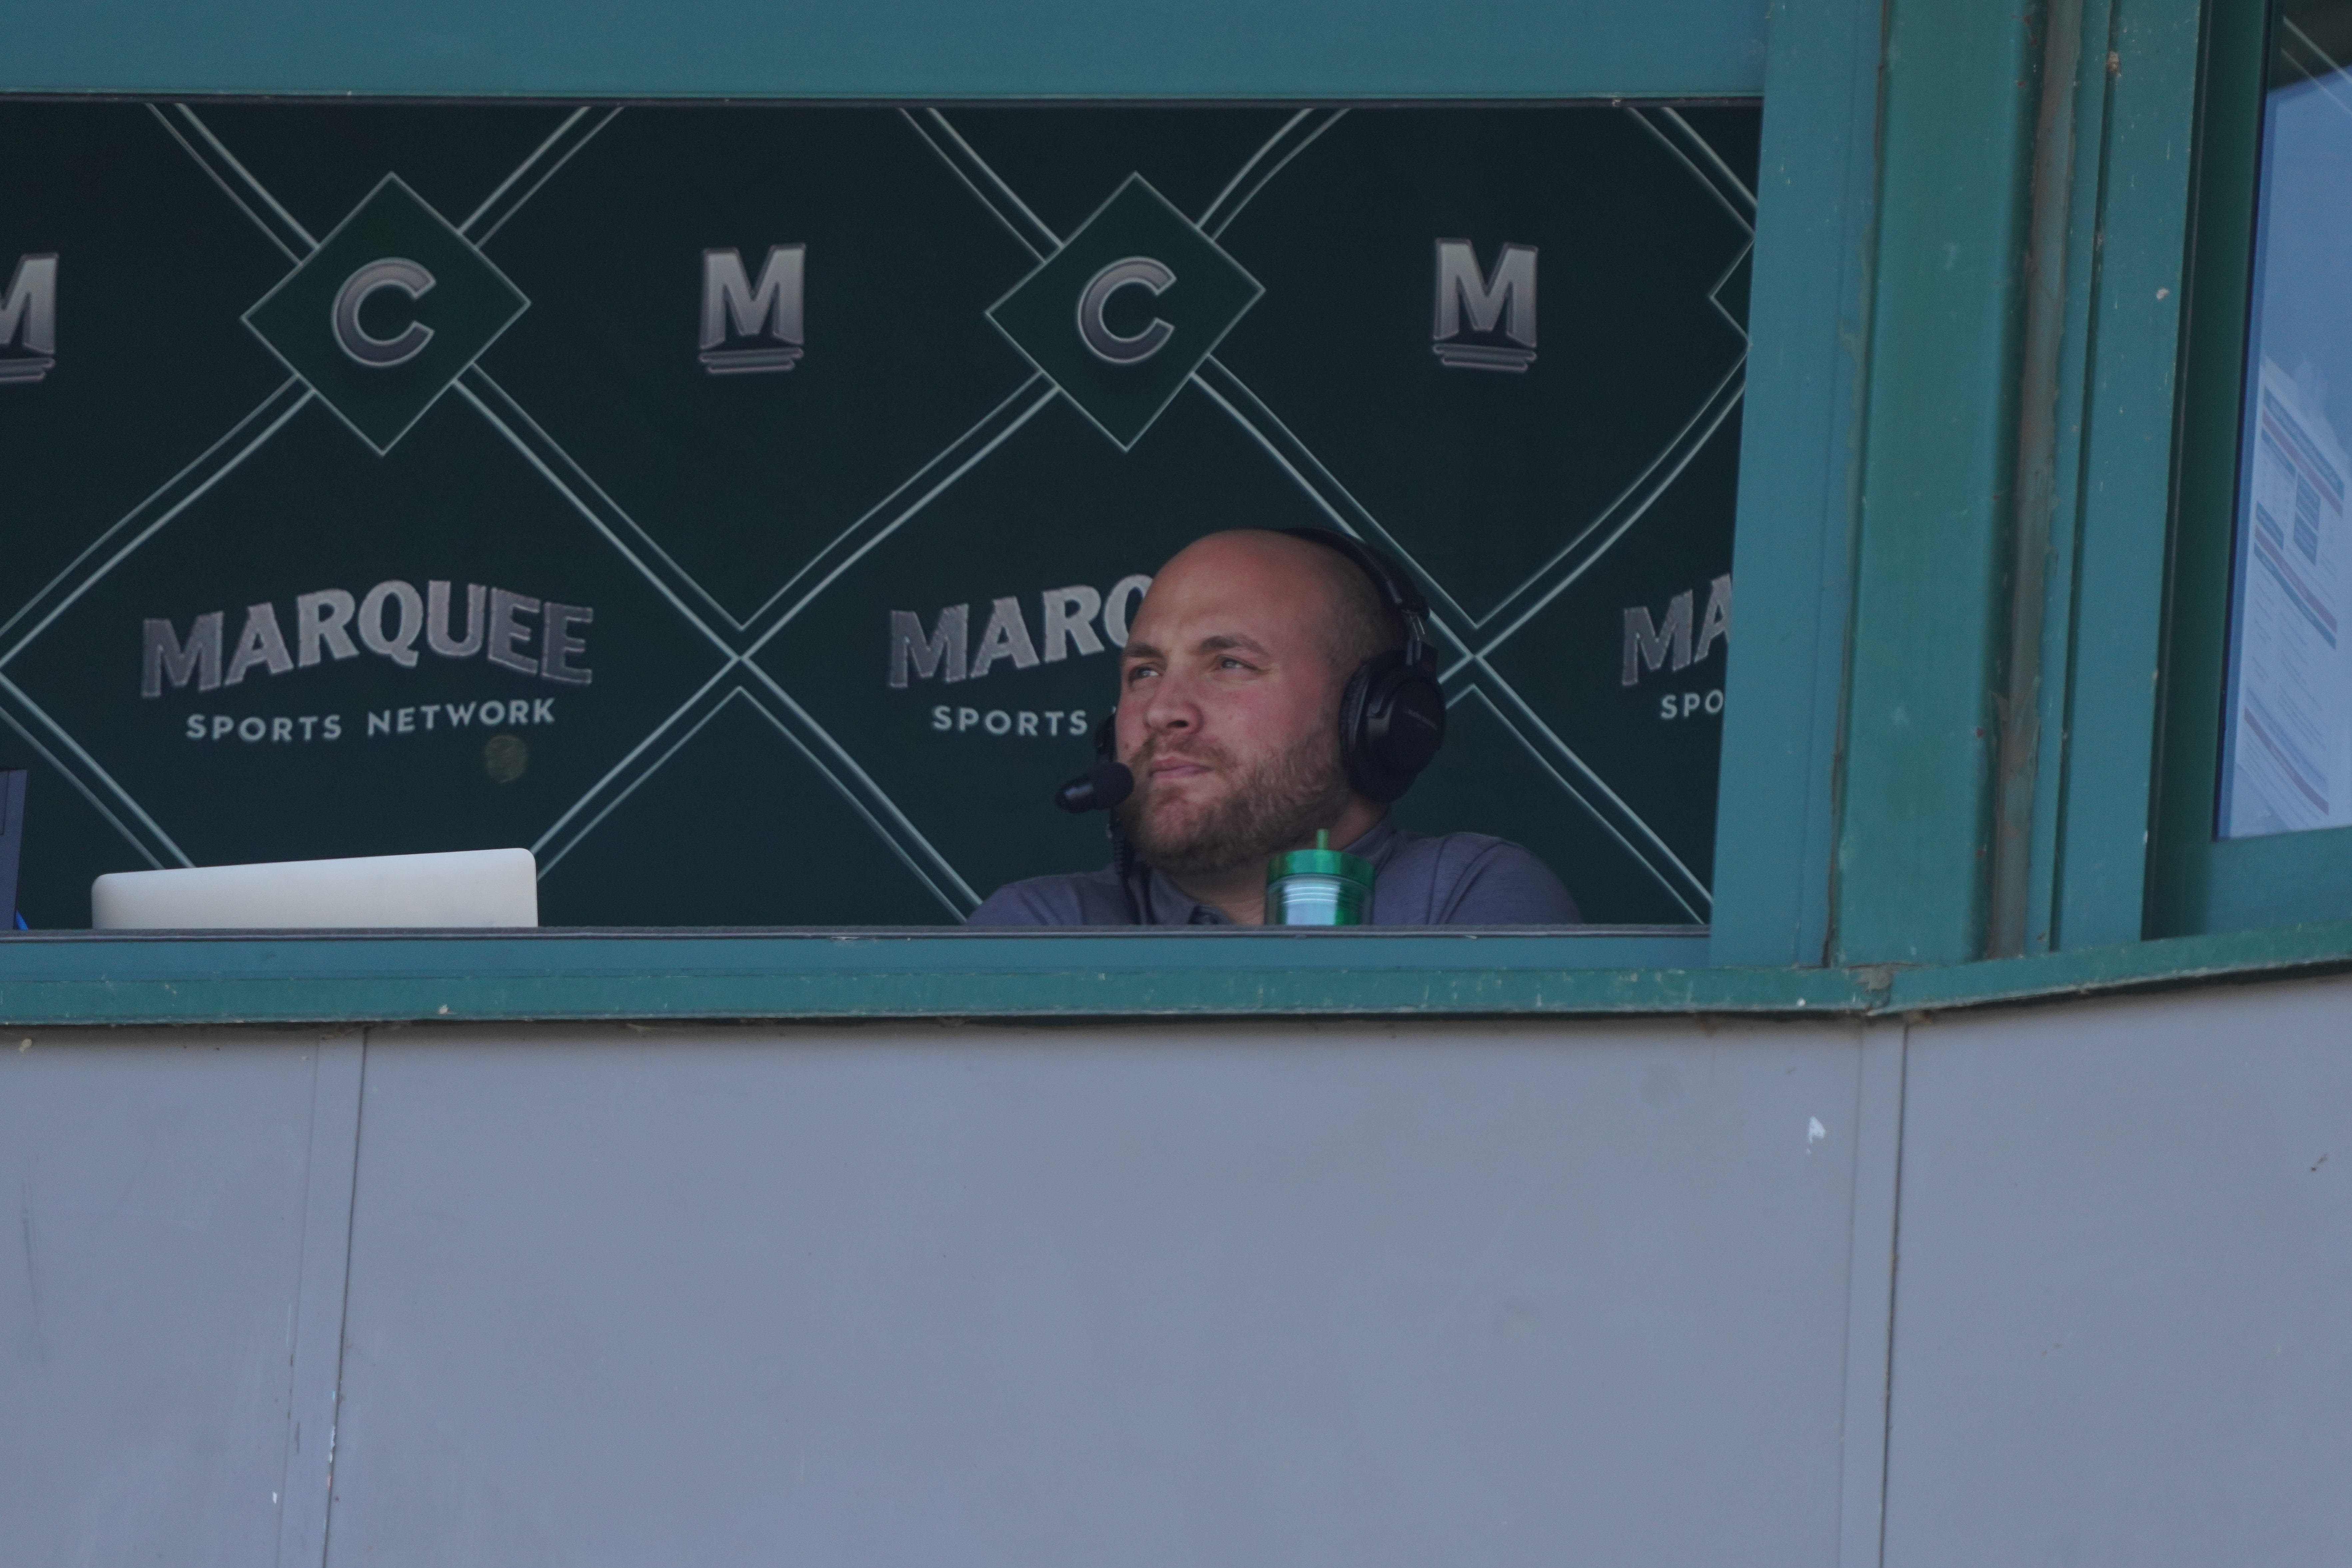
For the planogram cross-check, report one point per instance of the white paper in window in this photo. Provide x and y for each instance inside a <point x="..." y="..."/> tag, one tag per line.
<point x="2291" y="752"/>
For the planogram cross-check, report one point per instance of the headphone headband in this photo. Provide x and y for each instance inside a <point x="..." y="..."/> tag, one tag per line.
<point x="1396" y="592"/>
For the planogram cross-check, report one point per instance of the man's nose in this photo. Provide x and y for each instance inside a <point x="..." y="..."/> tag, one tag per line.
<point x="1169" y="706"/>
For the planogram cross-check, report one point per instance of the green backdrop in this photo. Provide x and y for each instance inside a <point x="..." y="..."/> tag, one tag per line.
<point x="721" y="534"/>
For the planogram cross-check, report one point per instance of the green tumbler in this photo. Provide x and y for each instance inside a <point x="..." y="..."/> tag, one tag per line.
<point x="1318" y="887"/>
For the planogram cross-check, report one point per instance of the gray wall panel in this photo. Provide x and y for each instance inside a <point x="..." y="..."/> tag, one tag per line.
<point x="2124" y="1321"/>
<point x="1504" y="1293"/>
<point x="1179" y="1295"/>
<point x="148" y="1283"/>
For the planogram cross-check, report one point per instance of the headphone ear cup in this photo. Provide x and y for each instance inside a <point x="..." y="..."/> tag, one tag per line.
<point x="1351" y="728"/>
<point x="1392" y="721"/>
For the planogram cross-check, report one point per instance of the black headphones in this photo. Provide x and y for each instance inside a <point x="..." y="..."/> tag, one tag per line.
<point x="1392" y="715"/>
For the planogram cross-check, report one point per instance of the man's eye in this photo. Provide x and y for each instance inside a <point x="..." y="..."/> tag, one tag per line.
<point x="1229" y="662"/>
<point x="1138" y="672"/>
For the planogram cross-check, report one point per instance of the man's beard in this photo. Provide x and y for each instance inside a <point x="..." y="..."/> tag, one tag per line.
<point x="1263" y="810"/>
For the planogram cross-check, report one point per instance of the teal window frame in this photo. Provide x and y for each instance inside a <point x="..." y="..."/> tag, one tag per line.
<point x="1995" y="781"/>
<point x="2204" y="883"/>
<point x="1816" y="70"/>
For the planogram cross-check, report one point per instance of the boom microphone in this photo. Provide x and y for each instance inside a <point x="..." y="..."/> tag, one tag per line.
<point x="1099" y="788"/>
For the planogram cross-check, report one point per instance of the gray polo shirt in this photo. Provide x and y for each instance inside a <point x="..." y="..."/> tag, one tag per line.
<point x="1455" y="878"/>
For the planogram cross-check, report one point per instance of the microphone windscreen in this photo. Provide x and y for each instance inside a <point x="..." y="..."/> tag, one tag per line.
<point x="1101" y="788"/>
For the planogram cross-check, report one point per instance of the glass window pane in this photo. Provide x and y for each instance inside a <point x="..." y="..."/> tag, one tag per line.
<point x="744" y="508"/>
<point x="2286" y="763"/>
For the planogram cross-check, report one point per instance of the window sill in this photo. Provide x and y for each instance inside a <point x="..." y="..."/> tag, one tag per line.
<point x="377" y="976"/>
<point x="57" y="979"/>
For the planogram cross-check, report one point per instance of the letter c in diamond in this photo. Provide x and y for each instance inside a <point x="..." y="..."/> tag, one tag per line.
<point x="393" y="272"/>
<point x="1109" y="347"/>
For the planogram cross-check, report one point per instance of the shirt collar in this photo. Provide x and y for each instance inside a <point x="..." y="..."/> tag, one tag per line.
<point x="1375" y="842"/>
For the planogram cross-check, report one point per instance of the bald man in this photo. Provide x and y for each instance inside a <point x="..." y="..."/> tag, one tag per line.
<point x="1229" y="718"/>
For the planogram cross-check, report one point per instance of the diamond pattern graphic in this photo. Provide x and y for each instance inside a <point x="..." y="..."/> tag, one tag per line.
<point x="151" y="381"/>
<point x="708" y="726"/>
<point x="267" y="511"/>
<point x="386" y="313"/>
<point x="1065" y="315"/>
<point x="738" y="481"/>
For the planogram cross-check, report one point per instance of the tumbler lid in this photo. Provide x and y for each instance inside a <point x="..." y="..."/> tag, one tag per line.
<point x="1321" y="861"/>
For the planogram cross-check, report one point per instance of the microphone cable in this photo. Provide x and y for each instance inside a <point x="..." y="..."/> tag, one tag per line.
<point x="1102" y="788"/>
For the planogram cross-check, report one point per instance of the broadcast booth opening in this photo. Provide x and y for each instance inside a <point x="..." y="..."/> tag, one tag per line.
<point x="745" y="508"/>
